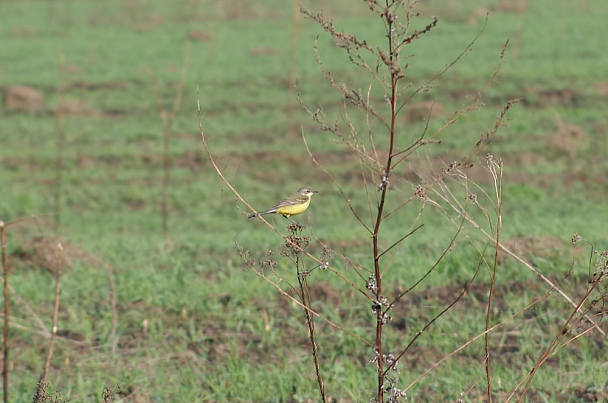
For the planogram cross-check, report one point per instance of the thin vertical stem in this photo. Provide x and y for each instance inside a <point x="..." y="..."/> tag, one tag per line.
<point x="298" y="242"/>
<point x="380" y="311"/>
<point x="6" y="313"/>
<point x="167" y="120"/>
<point x="292" y="69"/>
<point x="311" y="329"/>
<point x="166" y="177"/>
<point x="59" y="113"/>
<point x="495" y="167"/>
<point x="114" y="310"/>
<point x="49" y="356"/>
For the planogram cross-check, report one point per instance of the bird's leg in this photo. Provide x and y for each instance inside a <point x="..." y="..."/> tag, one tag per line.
<point x="294" y="222"/>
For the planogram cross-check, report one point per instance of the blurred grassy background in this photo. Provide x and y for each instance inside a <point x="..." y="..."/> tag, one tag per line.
<point x="192" y="325"/>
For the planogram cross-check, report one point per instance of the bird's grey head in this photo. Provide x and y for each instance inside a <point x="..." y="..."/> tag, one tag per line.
<point x="305" y="190"/>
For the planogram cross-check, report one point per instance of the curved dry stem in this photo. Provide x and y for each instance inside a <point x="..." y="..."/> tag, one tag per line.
<point x="389" y="261"/>
<point x="432" y="268"/>
<point x="430" y="323"/>
<point x="568" y="326"/>
<point x="335" y="182"/>
<point x="448" y="66"/>
<point x="295" y="246"/>
<point x="349" y="282"/>
<point x="312" y="311"/>
<point x="495" y="167"/>
<point x="399" y="241"/>
<point x="453" y="204"/>
<point x="471" y="341"/>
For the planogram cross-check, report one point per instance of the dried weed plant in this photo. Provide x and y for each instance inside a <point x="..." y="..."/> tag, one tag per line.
<point x="377" y="148"/>
<point x="33" y="324"/>
<point x="49" y="356"/>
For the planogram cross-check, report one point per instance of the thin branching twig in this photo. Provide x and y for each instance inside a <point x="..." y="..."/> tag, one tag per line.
<point x="494" y="165"/>
<point x="571" y="324"/>
<point x="49" y="356"/>
<point x="451" y="201"/>
<point x="304" y="294"/>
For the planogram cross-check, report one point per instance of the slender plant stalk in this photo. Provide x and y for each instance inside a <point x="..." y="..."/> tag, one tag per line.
<point x="569" y="325"/>
<point x="380" y="311"/>
<point x="471" y="341"/>
<point x="49" y="356"/>
<point x="294" y="250"/>
<point x="495" y="167"/>
<point x="6" y="313"/>
<point x="293" y="64"/>
<point x="166" y="121"/>
<point x="60" y="143"/>
<point x="305" y="297"/>
<point x="455" y="206"/>
<point x="167" y="118"/>
<point x="114" y="310"/>
<point x="166" y="176"/>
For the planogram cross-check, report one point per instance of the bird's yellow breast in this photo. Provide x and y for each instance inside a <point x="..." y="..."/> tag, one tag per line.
<point x="293" y="209"/>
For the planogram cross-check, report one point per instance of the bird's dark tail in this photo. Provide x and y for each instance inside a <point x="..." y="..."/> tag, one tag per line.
<point x="272" y="210"/>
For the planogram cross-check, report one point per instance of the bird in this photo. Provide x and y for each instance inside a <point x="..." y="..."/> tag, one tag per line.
<point x="292" y="205"/>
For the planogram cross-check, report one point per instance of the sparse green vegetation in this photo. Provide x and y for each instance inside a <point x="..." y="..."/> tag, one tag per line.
<point x="192" y="324"/>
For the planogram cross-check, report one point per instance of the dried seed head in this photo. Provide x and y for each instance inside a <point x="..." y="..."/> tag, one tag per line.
<point x="420" y="193"/>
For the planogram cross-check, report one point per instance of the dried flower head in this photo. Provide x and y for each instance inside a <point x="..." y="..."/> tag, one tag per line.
<point x="420" y="193"/>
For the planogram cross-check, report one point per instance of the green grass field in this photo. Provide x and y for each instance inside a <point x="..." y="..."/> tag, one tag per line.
<point x="193" y="323"/>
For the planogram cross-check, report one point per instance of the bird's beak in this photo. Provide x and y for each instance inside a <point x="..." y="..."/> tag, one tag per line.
<point x="315" y="191"/>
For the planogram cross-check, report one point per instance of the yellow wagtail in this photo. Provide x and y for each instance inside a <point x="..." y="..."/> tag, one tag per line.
<point x="295" y="204"/>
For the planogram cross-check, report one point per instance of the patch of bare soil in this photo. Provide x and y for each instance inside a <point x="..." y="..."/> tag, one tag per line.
<point x="511" y="6"/>
<point x="150" y="23"/>
<point x="301" y="165"/>
<point x="76" y="107"/>
<point x="264" y="51"/>
<point x="566" y="144"/>
<point x="195" y="160"/>
<point x="110" y="85"/>
<point x="43" y="253"/>
<point x="602" y="87"/>
<point x="21" y="98"/>
<point x="287" y="316"/>
<point x="421" y="111"/>
<point x="535" y="246"/>
<point x="198" y="35"/>
<point x="541" y="97"/>
<point x="24" y="31"/>
<point x="568" y="139"/>
<point x="589" y="393"/>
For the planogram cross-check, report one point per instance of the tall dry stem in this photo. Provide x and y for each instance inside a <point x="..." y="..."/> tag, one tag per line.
<point x="59" y="114"/>
<point x="293" y="64"/>
<point x="167" y="118"/>
<point x="494" y="166"/>
<point x="6" y="313"/>
<point x="49" y="356"/>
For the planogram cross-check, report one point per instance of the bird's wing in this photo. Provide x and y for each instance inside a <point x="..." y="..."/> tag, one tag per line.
<point x="290" y="201"/>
